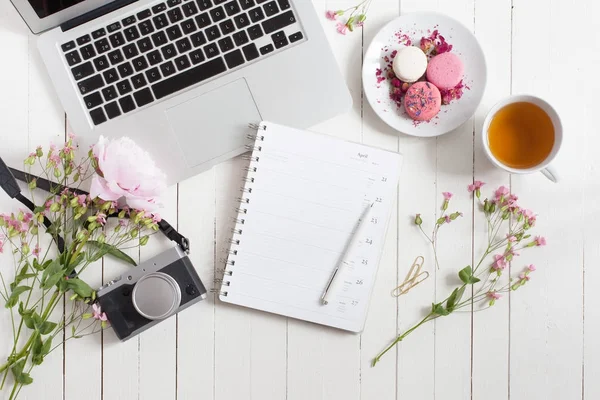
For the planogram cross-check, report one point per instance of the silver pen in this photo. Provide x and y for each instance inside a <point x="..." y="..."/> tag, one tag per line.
<point x="334" y="282"/>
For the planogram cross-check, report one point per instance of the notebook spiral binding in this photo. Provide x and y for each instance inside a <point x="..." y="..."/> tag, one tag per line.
<point x="237" y="231"/>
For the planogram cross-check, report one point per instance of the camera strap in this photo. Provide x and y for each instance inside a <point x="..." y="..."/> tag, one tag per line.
<point x="8" y="177"/>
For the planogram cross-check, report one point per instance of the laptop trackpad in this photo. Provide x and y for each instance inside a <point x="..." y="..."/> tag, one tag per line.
<point x="214" y="124"/>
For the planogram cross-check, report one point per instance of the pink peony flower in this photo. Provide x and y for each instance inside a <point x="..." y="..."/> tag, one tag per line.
<point x="531" y="267"/>
<point x="156" y="218"/>
<point x="475" y="186"/>
<point x="447" y="195"/>
<point x="342" y="28"/>
<point x="502" y="191"/>
<point x="499" y="262"/>
<point x="331" y="15"/>
<point x="27" y="217"/>
<point x="511" y="238"/>
<point x="126" y="174"/>
<point x="540" y="241"/>
<point x="82" y="200"/>
<point x="494" y="295"/>
<point x="98" y="314"/>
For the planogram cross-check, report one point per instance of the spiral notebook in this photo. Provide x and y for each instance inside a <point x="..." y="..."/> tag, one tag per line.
<point x="301" y="201"/>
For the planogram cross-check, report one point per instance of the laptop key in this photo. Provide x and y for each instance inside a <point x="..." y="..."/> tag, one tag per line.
<point x="246" y="4"/>
<point x="83" y="40"/>
<point x="212" y="33"/>
<point x="240" y="38"/>
<point x="143" y="14"/>
<point x="159" y="38"/>
<point x="93" y="100"/>
<point x="226" y="44"/>
<point x="98" y="116"/>
<point x="217" y="14"/>
<point x="131" y="33"/>
<point x="279" y="22"/>
<point x="188" y="78"/>
<point x="101" y="63"/>
<point x="83" y="71"/>
<point x="198" y="39"/>
<point x="117" y="39"/>
<point x="211" y="50"/>
<point x="115" y="56"/>
<point x="130" y="51"/>
<point x="227" y="27"/>
<point x="189" y="9"/>
<point x="284" y="4"/>
<point x="188" y="26"/>
<point x="182" y="62"/>
<point x="99" y="33"/>
<point x="256" y="14"/>
<point x="203" y="20"/>
<point x="140" y="64"/>
<point x="127" y="104"/>
<point x="124" y="87"/>
<point x="154" y="57"/>
<point x="102" y="46"/>
<point x="217" y="2"/>
<point x="153" y="75"/>
<point x="160" y="21"/>
<point x="113" y="27"/>
<point x="146" y="27"/>
<point x="294" y="37"/>
<point x="183" y="45"/>
<point x="125" y="70"/>
<point x="68" y="46"/>
<point x="87" y="52"/>
<point x="128" y="21"/>
<point x="169" y="51"/>
<point x="167" y="69"/>
<point x="173" y="32"/>
<point x="204" y="4"/>
<point x="112" y="110"/>
<point x="73" y="58"/>
<point x="111" y="76"/>
<point x="250" y="52"/>
<point x="173" y="3"/>
<point x="159" y="8"/>
<point x="197" y="56"/>
<point x="255" y="32"/>
<point x="281" y="43"/>
<point x="241" y="21"/>
<point x="145" y="44"/>
<point x="232" y="8"/>
<point x="271" y="8"/>
<point x="234" y="59"/>
<point x="266" y="49"/>
<point x="138" y="81"/>
<point x="109" y="93"/>
<point x="175" y="15"/>
<point x="90" y="84"/>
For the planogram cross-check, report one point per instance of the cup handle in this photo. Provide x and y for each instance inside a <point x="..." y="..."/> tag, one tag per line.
<point x="550" y="173"/>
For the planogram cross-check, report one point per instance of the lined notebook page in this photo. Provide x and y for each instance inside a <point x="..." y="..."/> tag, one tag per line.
<point x="308" y="192"/>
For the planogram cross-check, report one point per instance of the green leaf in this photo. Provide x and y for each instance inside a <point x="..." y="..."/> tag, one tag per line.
<point x="455" y="297"/>
<point x="20" y="376"/>
<point x="45" y="327"/>
<point x="36" y="350"/>
<point x="30" y="320"/>
<point x="465" y="273"/>
<point x="80" y="287"/>
<point x="46" y="347"/>
<point x="53" y="280"/>
<point x="39" y="209"/>
<point x="13" y="299"/>
<point x="440" y="310"/>
<point x="52" y="268"/>
<point x="76" y="262"/>
<point x="105" y="248"/>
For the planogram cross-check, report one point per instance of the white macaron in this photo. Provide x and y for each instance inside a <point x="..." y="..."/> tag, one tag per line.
<point x="410" y="64"/>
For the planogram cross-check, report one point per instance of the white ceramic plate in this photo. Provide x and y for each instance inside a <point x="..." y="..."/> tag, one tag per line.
<point x="415" y="26"/>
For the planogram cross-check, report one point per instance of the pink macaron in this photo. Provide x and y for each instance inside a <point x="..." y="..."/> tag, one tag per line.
<point x="445" y="70"/>
<point x="422" y="101"/>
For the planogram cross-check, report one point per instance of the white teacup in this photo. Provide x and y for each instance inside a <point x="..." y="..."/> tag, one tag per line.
<point x="544" y="167"/>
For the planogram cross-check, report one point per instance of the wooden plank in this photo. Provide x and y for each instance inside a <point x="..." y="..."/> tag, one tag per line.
<point x="158" y="358"/>
<point x="196" y="328"/>
<point x="491" y="327"/>
<point x="546" y="362"/>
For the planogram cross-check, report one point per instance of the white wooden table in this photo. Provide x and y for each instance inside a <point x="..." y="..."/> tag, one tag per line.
<point x="539" y="343"/>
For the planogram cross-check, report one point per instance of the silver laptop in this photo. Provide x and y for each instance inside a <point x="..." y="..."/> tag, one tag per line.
<point x="184" y="78"/>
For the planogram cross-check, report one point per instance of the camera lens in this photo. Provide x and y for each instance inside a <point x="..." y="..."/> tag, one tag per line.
<point x="156" y="296"/>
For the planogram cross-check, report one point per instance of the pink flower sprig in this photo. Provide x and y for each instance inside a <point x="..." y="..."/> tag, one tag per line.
<point x="481" y="282"/>
<point x="357" y="16"/>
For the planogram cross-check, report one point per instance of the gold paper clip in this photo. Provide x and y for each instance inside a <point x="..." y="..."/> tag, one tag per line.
<point x="413" y="278"/>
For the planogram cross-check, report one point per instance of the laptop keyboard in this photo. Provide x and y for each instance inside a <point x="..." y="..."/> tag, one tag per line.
<point x="171" y="46"/>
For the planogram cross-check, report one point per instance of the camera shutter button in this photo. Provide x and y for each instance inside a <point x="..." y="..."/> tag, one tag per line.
<point x="191" y="290"/>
